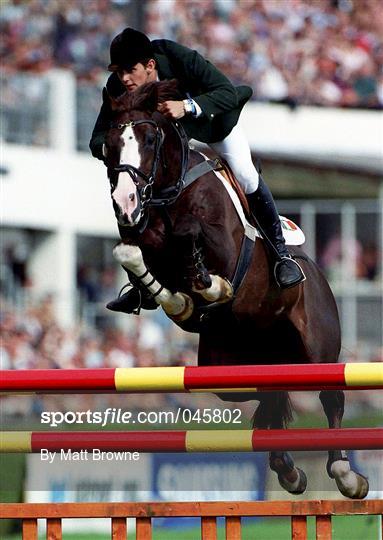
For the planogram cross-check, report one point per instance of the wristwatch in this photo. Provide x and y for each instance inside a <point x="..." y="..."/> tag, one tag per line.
<point x="189" y="106"/>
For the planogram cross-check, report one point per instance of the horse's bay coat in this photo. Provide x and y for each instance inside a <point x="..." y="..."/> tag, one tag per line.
<point x="220" y="101"/>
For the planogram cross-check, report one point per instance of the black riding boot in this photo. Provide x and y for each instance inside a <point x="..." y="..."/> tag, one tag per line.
<point x="132" y="301"/>
<point x="287" y="271"/>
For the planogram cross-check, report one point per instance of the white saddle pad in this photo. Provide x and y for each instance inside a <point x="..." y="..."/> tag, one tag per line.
<point x="294" y="236"/>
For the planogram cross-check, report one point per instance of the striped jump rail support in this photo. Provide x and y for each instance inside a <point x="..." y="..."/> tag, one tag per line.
<point x="208" y="512"/>
<point x="258" y="440"/>
<point x="240" y="378"/>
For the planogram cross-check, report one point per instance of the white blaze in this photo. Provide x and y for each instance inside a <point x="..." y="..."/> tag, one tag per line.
<point x="129" y="152"/>
<point x="125" y="194"/>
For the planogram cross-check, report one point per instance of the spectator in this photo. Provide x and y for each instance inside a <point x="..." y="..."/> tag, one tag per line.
<point x="297" y="51"/>
<point x="291" y="51"/>
<point x="332" y="258"/>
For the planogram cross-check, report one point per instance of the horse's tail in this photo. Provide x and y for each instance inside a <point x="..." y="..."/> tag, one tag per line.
<point x="274" y="411"/>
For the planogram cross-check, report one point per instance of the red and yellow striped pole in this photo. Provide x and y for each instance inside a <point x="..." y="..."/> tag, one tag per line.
<point x="243" y="378"/>
<point x="194" y="441"/>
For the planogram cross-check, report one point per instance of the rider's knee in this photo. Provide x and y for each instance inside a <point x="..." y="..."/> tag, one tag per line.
<point x="247" y="177"/>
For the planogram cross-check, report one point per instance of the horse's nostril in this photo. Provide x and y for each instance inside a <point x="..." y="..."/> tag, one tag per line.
<point x="131" y="197"/>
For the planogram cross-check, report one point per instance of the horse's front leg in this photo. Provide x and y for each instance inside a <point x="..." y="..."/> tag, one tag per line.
<point x="350" y="483"/>
<point x="178" y="306"/>
<point x="188" y="240"/>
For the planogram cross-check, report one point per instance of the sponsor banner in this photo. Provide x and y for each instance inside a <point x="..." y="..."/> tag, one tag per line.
<point x="212" y="477"/>
<point x="154" y="477"/>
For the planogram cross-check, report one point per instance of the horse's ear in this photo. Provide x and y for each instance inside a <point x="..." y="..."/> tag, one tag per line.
<point x="113" y="104"/>
<point x="116" y="104"/>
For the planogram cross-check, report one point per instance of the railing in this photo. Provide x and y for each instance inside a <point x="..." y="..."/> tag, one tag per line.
<point x="207" y="511"/>
<point x="235" y="378"/>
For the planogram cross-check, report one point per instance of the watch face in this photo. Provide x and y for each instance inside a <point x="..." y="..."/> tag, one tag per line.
<point x="188" y="106"/>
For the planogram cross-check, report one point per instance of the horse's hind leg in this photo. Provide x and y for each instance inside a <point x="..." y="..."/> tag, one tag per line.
<point x="350" y="483"/>
<point x="290" y="477"/>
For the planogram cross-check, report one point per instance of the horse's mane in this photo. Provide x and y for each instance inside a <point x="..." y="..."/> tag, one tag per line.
<point x="148" y="96"/>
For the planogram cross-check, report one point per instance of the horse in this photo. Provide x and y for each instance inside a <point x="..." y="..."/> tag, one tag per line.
<point x="183" y="240"/>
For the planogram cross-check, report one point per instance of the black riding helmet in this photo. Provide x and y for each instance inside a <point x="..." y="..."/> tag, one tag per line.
<point x="128" y="49"/>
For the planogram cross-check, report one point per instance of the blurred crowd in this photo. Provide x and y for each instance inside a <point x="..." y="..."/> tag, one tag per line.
<point x="327" y="52"/>
<point x="37" y="35"/>
<point x="32" y="338"/>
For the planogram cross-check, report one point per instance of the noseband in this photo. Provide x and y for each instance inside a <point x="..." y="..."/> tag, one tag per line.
<point x="167" y="195"/>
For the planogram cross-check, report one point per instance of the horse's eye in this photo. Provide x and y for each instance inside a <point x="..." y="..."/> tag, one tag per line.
<point x="149" y="139"/>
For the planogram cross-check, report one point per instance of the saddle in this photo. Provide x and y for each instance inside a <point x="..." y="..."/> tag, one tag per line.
<point x="229" y="176"/>
<point x="293" y="235"/>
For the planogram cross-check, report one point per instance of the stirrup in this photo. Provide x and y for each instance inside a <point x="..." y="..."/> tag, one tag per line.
<point x="134" y="310"/>
<point x="299" y="279"/>
<point x="137" y="310"/>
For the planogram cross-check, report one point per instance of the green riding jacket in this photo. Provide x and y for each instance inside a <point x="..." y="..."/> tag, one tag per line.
<point x="220" y="101"/>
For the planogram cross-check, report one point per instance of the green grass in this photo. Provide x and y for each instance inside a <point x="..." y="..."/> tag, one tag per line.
<point x="344" y="528"/>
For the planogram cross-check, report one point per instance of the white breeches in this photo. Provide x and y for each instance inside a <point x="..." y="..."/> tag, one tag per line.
<point x="236" y="151"/>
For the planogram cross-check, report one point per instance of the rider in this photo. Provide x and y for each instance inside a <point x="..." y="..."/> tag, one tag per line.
<point x="209" y="113"/>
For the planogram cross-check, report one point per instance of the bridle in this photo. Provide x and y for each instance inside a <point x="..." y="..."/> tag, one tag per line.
<point x="146" y="193"/>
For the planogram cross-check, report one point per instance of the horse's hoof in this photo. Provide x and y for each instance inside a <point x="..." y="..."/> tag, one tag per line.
<point x="295" y="488"/>
<point x="359" y="488"/>
<point x="351" y="484"/>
